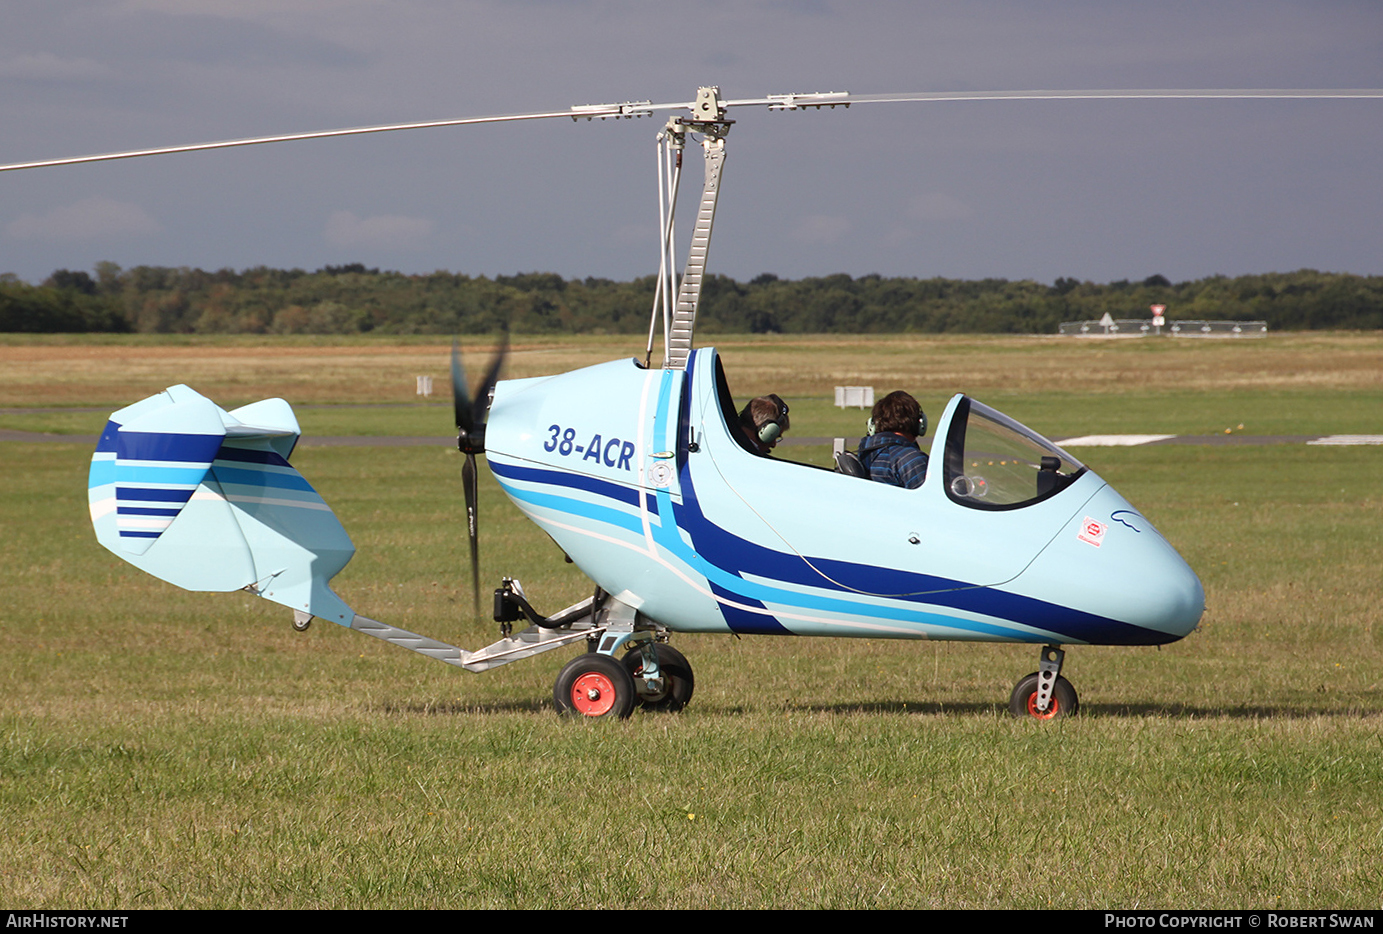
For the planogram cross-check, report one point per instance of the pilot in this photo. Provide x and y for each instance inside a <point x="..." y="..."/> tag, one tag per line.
<point x="890" y="452"/>
<point x="764" y="421"/>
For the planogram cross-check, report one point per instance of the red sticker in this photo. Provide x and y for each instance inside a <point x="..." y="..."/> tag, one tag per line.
<point x="1092" y="531"/>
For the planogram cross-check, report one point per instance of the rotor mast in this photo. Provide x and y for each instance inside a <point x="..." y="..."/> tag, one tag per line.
<point x="708" y="119"/>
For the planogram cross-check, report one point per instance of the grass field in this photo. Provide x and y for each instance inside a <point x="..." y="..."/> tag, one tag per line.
<point x="167" y="749"/>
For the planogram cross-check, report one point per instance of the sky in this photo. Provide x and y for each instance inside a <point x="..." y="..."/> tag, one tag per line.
<point x="1092" y="190"/>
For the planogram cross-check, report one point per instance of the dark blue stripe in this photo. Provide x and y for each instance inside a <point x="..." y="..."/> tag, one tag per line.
<point x="732" y="553"/>
<point x="125" y="534"/>
<point x="152" y="496"/>
<point x="247" y="476"/>
<point x="250" y="456"/>
<point x="106" y="444"/>
<point x="166" y="446"/>
<point x="743" y="621"/>
<point x="574" y="481"/>
<point x="1075" y="624"/>
<point x="145" y="511"/>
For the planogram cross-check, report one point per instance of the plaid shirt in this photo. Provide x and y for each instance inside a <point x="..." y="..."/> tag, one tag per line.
<point x="891" y="458"/>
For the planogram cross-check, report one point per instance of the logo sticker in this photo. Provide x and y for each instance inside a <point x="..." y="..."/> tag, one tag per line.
<point x="1127" y="517"/>
<point x="1092" y="531"/>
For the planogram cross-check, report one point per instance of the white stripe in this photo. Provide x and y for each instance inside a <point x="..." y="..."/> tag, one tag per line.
<point x="271" y="501"/>
<point x="205" y="493"/>
<point x="149" y="523"/>
<point x="1349" y="439"/>
<point x="762" y="611"/>
<point x="1111" y="441"/>
<point x="643" y="464"/>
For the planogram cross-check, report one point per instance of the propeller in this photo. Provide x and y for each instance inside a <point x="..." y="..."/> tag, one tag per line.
<point x="471" y="415"/>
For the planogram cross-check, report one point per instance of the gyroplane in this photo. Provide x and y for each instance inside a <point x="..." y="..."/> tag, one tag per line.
<point x="640" y="474"/>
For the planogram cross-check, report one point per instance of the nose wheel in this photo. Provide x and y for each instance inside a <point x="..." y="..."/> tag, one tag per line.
<point x="1044" y="694"/>
<point x="1023" y="701"/>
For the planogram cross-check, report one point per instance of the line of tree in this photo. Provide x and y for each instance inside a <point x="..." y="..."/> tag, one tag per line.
<point x="353" y="299"/>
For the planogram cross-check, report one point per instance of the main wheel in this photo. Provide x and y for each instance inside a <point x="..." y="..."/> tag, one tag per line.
<point x="594" y="685"/>
<point x="678" y="682"/>
<point x="1023" y="701"/>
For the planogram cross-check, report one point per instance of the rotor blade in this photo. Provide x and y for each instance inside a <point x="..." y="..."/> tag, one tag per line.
<point x="460" y="399"/>
<point x="468" y="481"/>
<point x="1125" y="94"/>
<point x="816" y="99"/>
<point x="627" y="109"/>
<point x="821" y="99"/>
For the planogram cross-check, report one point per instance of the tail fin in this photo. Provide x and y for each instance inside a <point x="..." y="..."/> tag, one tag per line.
<point x="205" y="499"/>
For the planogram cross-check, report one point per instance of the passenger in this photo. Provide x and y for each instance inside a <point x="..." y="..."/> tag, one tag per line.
<point x="763" y="422"/>
<point x="890" y="452"/>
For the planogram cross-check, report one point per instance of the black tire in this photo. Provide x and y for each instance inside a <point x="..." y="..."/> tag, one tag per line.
<point x="595" y="686"/>
<point x="1023" y="701"/>
<point x="678" y="682"/>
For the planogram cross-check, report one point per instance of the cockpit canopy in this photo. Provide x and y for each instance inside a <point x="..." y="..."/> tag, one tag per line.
<point x="993" y="462"/>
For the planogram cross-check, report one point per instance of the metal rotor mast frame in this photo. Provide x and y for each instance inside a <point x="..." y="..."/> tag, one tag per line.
<point x="709" y="121"/>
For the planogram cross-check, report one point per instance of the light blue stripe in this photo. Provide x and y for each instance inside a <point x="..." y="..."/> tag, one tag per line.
<point x="102" y="472"/>
<point x="136" y="475"/>
<point x="667" y="535"/>
<point x="790" y="598"/>
<point x="576" y="507"/>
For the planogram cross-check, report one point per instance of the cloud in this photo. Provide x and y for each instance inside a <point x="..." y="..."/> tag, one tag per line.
<point x="90" y="219"/>
<point x="937" y="206"/>
<point x="45" y="66"/>
<point x="821" y="228"/>
<point x="385" y="231"/>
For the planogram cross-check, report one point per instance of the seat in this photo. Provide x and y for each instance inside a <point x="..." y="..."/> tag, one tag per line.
<point x="848" y="464"/>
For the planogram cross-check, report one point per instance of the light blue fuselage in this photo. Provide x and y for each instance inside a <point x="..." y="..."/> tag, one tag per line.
<point x="637" y="476"/>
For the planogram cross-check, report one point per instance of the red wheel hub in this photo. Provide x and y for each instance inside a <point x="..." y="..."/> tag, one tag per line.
<point x="593" y="694"/>
<point x="1048" y="714"/>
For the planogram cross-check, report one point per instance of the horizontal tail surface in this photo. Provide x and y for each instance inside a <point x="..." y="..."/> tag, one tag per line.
<point x="206" y="499"/>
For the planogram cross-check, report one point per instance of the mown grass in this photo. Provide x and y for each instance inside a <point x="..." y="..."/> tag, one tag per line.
<point x="61" y="370"/>
<point x="167" y="749"/>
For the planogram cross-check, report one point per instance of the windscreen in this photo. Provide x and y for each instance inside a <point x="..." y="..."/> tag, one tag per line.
<point x="994" y="462"/>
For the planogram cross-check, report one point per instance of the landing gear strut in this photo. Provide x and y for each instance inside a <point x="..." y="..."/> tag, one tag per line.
<point x="1044" y="694"/>
<point x="675" y="682"/>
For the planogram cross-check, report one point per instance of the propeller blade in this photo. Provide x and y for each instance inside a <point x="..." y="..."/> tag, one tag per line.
<point x="480" y="408"/>
<point x="460" y="399"/>
<point x="468" y="482"/>
<point x="471" y="415"/>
